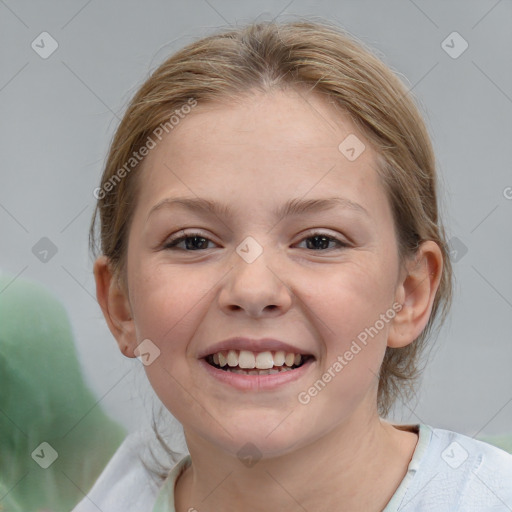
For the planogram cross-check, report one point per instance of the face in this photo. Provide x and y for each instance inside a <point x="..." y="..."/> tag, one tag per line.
<point x="250" y="282"/>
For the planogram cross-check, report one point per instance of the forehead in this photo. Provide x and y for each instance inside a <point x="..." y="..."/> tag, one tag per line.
<point x="286" y="143"/>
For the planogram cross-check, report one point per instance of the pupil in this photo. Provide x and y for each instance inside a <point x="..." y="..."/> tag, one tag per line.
<point x="190" y="245"/>
<point x="324" y="242"/>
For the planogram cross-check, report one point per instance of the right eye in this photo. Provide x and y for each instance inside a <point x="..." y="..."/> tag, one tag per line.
<point x="191" y="241"/>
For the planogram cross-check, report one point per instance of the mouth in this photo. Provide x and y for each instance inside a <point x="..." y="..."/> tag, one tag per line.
<point x="245" y="362"/>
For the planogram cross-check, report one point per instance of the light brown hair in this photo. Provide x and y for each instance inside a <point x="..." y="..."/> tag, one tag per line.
<point x="331" y="63"/>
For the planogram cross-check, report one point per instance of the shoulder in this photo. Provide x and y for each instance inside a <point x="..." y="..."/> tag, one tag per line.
<point x="126" y="484"/>
<point x="458" y="473"/>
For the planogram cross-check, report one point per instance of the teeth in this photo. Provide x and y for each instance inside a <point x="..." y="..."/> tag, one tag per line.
<point x="264" y="361"/>
<point x="279" y="358"/>
<point x="261" y="363"/>
<point x="260" y="372"/>
<point x="246" y="359"/>
<point x="232" y="358"/>
<point x="289" y="360"/>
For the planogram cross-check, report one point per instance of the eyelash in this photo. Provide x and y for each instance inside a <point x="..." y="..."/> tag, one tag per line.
<point x="172" y="243"/>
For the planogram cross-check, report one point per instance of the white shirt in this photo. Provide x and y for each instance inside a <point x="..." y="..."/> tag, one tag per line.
<point x="448" y="472"/>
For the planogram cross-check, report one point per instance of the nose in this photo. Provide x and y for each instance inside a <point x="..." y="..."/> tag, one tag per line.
<point x="255" y="289"/>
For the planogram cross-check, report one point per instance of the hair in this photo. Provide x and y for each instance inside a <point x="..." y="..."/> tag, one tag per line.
<point x="268" y="56"/>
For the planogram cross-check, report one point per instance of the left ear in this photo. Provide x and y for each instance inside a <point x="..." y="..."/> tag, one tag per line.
<point x="416" y="292"/>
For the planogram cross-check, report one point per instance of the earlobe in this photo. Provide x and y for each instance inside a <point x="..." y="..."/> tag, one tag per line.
<point x="114" y="303"/>
<point x="416" y="293"/>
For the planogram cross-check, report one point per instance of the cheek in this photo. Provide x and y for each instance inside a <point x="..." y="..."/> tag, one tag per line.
<point x="355" y="312"/>
<point x="166" y="300"/>
<point x="354" y="297"/>
<point x="168" y="306"/>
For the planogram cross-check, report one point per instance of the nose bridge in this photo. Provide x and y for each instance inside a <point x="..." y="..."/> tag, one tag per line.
<point x="253" y="284"/>
<point x="253" y="263"/>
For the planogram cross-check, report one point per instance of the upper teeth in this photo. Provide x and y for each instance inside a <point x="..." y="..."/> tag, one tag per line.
<point x="261" y="360"/>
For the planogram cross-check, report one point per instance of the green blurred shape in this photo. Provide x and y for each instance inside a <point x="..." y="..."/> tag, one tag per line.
<point x="504" y="442"/>
<point x="44" y="398"/>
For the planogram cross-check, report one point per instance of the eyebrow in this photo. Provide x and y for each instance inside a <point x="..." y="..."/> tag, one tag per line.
<point x="296" y="206"/>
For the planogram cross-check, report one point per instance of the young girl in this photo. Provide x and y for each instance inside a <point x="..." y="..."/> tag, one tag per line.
<point x="271" y="250"/>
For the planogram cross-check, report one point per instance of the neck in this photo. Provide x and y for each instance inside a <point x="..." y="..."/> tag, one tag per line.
<point x="357" y="466"/>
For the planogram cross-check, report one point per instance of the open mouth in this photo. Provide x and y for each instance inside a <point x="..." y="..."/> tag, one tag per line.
<point x="245" y="362"/>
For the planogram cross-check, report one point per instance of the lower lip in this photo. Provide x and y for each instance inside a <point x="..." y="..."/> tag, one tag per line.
<point x="256" y="382"/>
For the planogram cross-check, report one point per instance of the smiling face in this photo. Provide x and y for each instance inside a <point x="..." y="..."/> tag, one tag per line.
<point x="314" y="275"/>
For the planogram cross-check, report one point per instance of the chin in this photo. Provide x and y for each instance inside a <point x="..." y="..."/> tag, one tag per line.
<point x="272" y="436"/>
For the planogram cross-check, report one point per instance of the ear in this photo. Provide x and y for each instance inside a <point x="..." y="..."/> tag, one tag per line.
<point x="113" y="300"/>
<point x="416" y="292"/>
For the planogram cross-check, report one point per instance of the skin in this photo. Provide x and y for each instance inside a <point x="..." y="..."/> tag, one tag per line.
<point x="333" y="453"/>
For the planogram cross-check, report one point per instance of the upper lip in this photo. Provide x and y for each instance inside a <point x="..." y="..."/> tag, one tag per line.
<point x="252" y="345"/>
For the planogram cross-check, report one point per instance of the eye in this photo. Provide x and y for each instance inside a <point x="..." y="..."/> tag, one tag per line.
<point x="320" y="241"/>
<point x="189" y="242"/>
<point x="192" y="242"/>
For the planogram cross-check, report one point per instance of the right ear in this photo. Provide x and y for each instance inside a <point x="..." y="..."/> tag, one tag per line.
<point x="113" y="300"/>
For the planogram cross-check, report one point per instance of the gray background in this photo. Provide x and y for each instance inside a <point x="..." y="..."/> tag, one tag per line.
<point x="58" y="115"/>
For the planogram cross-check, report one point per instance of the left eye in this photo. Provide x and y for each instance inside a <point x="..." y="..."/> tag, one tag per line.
<point x="321" y="241"/>
<point x="198" y="242"/>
